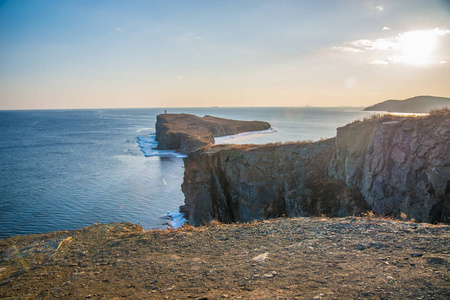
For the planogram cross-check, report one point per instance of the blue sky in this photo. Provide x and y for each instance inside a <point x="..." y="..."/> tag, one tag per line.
<point x="88" y="54"/>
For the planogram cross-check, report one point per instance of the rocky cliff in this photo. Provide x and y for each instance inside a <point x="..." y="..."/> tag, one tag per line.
<point x="398" y="164"/>
<point x="243" y="183"/>
<point x="185" y="132"/>
<point x="388" y="165"/>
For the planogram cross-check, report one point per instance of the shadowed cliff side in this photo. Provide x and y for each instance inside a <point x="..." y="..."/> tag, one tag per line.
<point x="243" y="183"/>
<point x="185" y="132"/>
<point x="398" y="164"/>
<point x="387" y="164"/>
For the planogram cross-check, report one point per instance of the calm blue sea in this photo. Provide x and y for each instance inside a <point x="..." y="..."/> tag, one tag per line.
<point x="67" y="169"/>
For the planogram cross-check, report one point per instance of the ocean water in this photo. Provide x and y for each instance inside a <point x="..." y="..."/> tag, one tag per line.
<point x="67" y="169"/>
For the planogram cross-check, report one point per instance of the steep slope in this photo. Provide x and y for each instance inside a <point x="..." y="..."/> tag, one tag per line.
<point x="398" y="164"/>
<point x="243" y="183"/>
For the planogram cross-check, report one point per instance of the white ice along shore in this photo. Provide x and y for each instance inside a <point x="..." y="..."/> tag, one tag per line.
<point x="235" y="138"/>
<point x="148" y="146"/>
<point x="177" y="219"/>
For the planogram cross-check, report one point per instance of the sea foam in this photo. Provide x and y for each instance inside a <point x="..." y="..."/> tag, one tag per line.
<point x="148" y="146"/>
<point x="177" y="219"/>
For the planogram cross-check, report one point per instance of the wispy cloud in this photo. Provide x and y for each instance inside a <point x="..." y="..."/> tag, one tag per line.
<point x="377" y="44"/>
<point x="411" y="47"/>
<point x="347" y="49"/>
<point x="120" y="29"/>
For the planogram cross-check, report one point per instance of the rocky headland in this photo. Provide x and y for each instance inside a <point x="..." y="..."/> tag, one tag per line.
<point x="387" y="164"/>
<point x="185" y="132"/>
<point x="419" y="104"/>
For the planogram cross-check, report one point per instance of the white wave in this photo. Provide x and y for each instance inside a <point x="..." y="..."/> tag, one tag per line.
<point x="148" y="146"/>
<point x="227" y="139"/>
<point x="177" y="219"/>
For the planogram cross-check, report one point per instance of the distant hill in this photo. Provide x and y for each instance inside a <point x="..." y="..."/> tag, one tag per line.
<point x="419" y="104"/>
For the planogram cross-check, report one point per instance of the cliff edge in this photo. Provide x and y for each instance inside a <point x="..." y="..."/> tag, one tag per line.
<point x="185" y="132"/>
<point x="389" y="165"/>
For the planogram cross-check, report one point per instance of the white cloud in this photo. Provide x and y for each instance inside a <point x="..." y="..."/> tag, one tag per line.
<point x="347" y="49"/>
<point x="386" y="28"/>
<point x="411" y="47"/>
<point x="119" y="29"/>
<point x="380" y="7"/>
<point x="378" y="44"/>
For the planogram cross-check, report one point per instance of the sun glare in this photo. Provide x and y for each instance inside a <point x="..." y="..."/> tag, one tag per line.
<point x="417" y="47"/>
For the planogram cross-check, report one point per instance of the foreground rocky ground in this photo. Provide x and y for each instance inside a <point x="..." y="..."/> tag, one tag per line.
<point x="301" y="258"/>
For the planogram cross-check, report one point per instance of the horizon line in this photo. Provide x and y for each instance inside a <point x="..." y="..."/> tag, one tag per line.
<point x="181" y="107"/>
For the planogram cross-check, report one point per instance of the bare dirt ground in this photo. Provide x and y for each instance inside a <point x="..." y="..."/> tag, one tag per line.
<point x="300" y="258"/>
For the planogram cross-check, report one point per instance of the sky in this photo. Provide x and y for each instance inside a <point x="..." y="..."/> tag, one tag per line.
<point x="61" y="54"/>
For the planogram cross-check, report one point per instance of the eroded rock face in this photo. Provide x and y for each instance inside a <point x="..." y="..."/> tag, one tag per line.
<point x="388" y="165"/>
<point x="185" y="133"/>
<point x="243" y="183"/>
<point x="398" y="164"/>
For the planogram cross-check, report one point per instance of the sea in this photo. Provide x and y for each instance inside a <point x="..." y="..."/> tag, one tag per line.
<point x="67" y="169"/>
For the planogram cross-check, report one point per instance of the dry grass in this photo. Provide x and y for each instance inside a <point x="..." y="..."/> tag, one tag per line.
<point x="403" y="216"/>
<point x="213" y="223"/>
<point x="369" y="214"/>
<point x="374" y="116"/>
<point x="440" y="112"/>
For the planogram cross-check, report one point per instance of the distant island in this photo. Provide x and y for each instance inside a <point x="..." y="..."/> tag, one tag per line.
<point x="419" y="104"/>
<point x="185" y="132"/>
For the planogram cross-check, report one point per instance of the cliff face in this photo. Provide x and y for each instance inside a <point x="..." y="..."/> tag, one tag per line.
<point x="398" y="164"/>
<point x="185" y="132"/>
<point x="388" y="165"/>
<point x="243" y="183"/>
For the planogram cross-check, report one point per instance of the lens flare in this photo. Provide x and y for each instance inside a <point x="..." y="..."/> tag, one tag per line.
<point x="417" y="46"/>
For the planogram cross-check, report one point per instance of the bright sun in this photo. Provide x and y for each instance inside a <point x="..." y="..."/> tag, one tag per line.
<point x="417" y="47"/>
